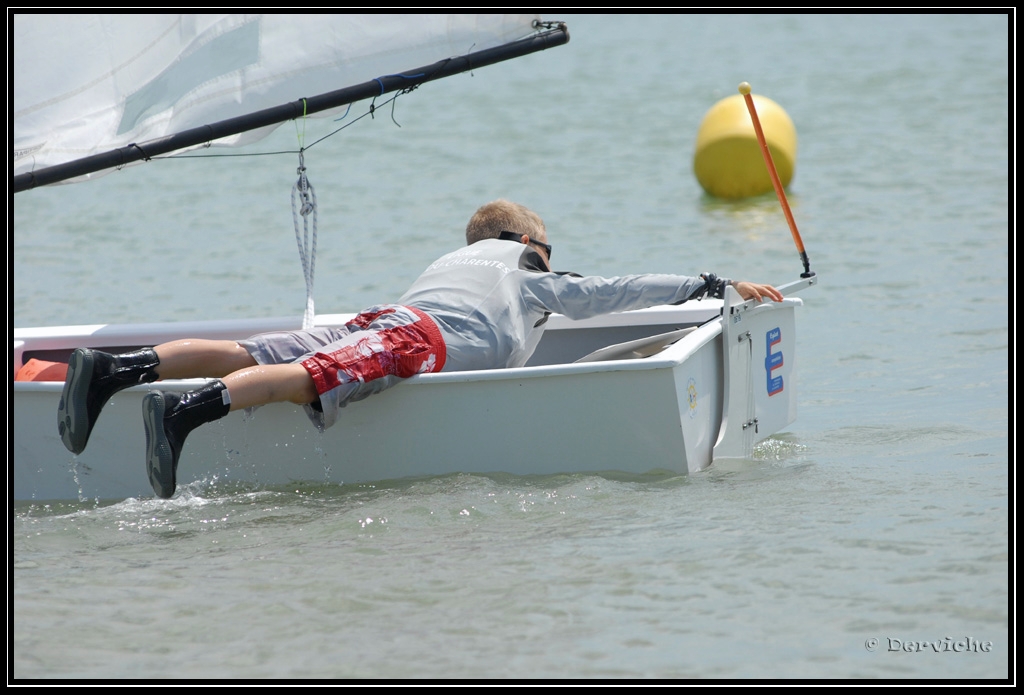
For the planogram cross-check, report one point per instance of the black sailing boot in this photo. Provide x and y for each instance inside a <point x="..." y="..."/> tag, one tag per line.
<point x="93" y="377"/>
<point x="169" y="417"/>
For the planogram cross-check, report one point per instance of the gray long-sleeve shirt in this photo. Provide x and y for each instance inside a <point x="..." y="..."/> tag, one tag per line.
<point x="491" y="300"/>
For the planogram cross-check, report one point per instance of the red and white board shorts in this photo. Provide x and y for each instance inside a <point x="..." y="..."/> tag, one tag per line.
<point x="374" y="351"/>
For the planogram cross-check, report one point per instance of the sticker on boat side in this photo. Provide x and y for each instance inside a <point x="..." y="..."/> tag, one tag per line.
<point x="691" y="396"/>
<point x="773" y="360"/>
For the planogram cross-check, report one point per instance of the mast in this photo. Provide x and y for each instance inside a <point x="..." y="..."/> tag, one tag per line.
<point x="296" y="109"/>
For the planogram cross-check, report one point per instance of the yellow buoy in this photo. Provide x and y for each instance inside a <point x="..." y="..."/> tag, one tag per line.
<point x="728" y="160"/>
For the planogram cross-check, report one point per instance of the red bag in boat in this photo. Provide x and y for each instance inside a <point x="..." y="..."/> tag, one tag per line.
<point x="40" y="370"/>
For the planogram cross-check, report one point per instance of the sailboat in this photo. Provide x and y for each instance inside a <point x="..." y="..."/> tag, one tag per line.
<point x="691" y="384"/>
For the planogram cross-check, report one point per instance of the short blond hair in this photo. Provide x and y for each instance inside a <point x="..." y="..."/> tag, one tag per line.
<point x="498" y="216"/>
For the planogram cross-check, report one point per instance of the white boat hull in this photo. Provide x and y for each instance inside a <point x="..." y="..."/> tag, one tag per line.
<point x="633" y="416"/>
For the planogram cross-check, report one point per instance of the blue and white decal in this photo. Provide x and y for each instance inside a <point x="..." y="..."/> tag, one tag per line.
<point x="773" y="360"/>
<point x="691" y="397"/>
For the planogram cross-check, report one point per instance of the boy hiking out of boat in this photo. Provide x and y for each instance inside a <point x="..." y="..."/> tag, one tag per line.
<point x="483" y="306"/>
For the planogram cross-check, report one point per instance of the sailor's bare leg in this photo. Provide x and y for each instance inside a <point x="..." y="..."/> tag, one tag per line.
<point x="270" y="383"/>
<point x="249" y="384"/>
<point x="193" y="358"/>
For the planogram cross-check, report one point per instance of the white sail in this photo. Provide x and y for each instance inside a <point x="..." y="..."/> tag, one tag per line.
<point x="90" y="83"/>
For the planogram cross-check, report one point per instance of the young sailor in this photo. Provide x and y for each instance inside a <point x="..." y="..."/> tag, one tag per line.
<point x="483" y="306"/>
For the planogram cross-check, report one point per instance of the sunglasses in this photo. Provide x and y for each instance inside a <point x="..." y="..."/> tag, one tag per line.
<point x="546" y="247"/>
<point x="512" y="236"/>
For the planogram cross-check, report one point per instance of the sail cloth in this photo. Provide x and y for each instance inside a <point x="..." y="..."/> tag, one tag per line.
<point x="87" y="84"/>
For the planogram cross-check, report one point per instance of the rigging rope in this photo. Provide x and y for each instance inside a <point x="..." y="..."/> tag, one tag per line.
<point x="307" y="251"/>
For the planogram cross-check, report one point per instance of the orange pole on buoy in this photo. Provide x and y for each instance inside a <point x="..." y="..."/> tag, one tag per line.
<point x="745" y="91"/>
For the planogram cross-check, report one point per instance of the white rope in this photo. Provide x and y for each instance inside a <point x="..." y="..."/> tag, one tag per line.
<point x="307" y="251"/>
